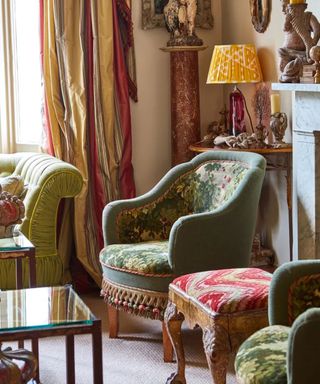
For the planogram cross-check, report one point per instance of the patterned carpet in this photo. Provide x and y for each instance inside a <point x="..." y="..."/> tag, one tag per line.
<point x="134" y="358"/>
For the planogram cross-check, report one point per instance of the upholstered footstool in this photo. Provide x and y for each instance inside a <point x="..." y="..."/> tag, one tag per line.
<point x="228" y="304"/>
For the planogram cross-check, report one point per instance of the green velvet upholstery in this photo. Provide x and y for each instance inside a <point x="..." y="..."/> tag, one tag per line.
<point x="47" y="180"/>
<point x="288" y="350"/>
<point x="200" y="216"/>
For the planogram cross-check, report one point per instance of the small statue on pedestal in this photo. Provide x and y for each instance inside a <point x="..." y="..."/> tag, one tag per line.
<point x="302" y="32"/>
<point x="278" y="125"/>
<point x="217" y="128"/>
<point x="180" y="22"/>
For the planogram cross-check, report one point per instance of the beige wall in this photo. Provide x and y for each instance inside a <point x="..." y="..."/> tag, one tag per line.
<point x="237" y="28"/>
<point x="151" y="115"/>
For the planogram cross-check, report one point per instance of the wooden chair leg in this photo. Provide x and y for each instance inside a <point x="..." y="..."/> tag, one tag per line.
<point x="113" y="317"/>
<point x="217" y="349"/>
<point x="167" y="345"/>
<point x="173" y="321"/>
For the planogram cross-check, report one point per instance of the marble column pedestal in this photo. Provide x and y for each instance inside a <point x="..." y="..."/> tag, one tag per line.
<point x="185" y="101"/>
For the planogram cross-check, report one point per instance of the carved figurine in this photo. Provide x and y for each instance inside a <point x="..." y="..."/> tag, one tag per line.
<point x="11" y="212"/>
<point x="180" y="22"/>
<point x="217" y="128"/>
<point x="315" y="56"/>
<point x="302" y="32"/>
<point x="243" y="140"/>
<point x="278" y="125"/>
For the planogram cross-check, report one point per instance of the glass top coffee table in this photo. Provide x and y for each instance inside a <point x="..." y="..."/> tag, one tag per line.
<point x="34" y="313"/>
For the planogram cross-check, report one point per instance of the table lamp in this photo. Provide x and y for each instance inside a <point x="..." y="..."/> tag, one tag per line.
<point x="233" y="64"/>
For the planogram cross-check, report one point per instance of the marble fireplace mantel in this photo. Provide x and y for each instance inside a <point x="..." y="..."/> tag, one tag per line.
<point x="306" y="168"/>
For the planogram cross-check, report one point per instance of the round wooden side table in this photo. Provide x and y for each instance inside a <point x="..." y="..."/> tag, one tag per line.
<point x="278" y="159"/>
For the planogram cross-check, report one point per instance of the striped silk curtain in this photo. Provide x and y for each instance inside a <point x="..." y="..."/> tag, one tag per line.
<point x="88" y="69"/>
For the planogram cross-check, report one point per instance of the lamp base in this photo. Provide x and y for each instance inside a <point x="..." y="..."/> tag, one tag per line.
<point x="236" y="113"/>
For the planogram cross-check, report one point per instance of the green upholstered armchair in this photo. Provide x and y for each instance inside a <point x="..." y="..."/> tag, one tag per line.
<point x="46" y="181"/>
<point x="200" y="216"/>
<point x="288" y="350"/>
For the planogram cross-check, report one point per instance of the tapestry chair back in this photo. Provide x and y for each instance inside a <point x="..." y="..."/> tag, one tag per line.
<point x="203" y="189"/>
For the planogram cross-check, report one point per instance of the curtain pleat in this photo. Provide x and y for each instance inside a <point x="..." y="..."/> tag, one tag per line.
<point x="122" y="105"/>
<point x="125" y="27"/>
<point x="107" y="135"/>
<point x="88" y="110"/>
<point x="98" y="195"/>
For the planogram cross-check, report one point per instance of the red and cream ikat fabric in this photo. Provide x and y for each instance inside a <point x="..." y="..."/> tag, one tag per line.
<point x="227" y="290"/>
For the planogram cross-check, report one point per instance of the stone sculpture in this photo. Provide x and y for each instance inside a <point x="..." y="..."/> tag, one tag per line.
<point x="243" y="140"/>
<point x="315" y="56"/>
<point x="278" y="125"/>
<point x="11" y="212"/>
<point x="180" y="22"/>
<point x="302" y="32"/>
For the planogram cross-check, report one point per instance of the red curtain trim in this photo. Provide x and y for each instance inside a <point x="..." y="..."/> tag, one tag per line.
<point x="127" y="187"/>
<point x="93" y="163"/>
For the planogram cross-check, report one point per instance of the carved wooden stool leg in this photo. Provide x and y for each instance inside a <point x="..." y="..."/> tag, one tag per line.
<point x="113" y="316"/>
<point x="173" y="321"/>
<point x="217" y="349"/>
<point x="167" y="346"/>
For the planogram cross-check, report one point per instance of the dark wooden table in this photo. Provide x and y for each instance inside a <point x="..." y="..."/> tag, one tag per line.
<point x="17" y="248"/>
<point x="278" y="159"/>
<point x="35" y="313"/>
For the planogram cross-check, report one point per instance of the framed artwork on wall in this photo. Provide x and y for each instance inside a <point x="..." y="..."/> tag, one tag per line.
<point x="260" y="14"/>
<point x="152" y="14"/>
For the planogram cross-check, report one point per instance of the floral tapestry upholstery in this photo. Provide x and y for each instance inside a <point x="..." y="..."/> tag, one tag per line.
<point x="304" y="293"/>
<point x="227" y="290"/>
<point x="261" y="359"/>
<point x="200" y="190"/>
<point x="148" y="258"/>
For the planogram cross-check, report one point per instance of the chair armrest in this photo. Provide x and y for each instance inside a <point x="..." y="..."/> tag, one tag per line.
<point x="218" y="239"/>
<point x="304" y="348"/>
<point x="48" y="180"/>
<point x="8" y="162"/>
<point x="122" y="219"/>
<point x="281" y="296"/>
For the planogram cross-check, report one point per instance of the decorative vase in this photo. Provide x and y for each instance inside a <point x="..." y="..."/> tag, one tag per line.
<point x="12" y="210"/>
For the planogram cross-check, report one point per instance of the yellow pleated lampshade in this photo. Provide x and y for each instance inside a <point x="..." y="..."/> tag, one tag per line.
<point x="234" y="64"/>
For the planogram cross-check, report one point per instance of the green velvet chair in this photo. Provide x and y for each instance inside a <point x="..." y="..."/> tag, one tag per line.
<point x="288" y="350"/>
<point x="200" y="216"/>
<point x="45" y="181"/>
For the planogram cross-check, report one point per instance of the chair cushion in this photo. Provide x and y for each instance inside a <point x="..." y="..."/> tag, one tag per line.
<point x="261" y="359"/>
<point x="147" y="258"/>
<point x="227" y="290"/>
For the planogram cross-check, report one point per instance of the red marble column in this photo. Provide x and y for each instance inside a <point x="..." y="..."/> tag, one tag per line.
<point x="185" y="101"/>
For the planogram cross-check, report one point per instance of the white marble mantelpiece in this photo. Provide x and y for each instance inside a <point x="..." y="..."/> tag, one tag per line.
<point x="306" y="168"/>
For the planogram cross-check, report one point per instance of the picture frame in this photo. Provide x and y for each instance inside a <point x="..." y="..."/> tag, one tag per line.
<point x="260" y="14"/>
<point x="152" y="14"/>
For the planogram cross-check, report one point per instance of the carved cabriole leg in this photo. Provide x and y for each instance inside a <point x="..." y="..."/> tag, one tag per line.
<point x="167" y="346"/>
<point x="217" y="349"/>
<point x="173" y="321"/>
<point x="113" y="317"/>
